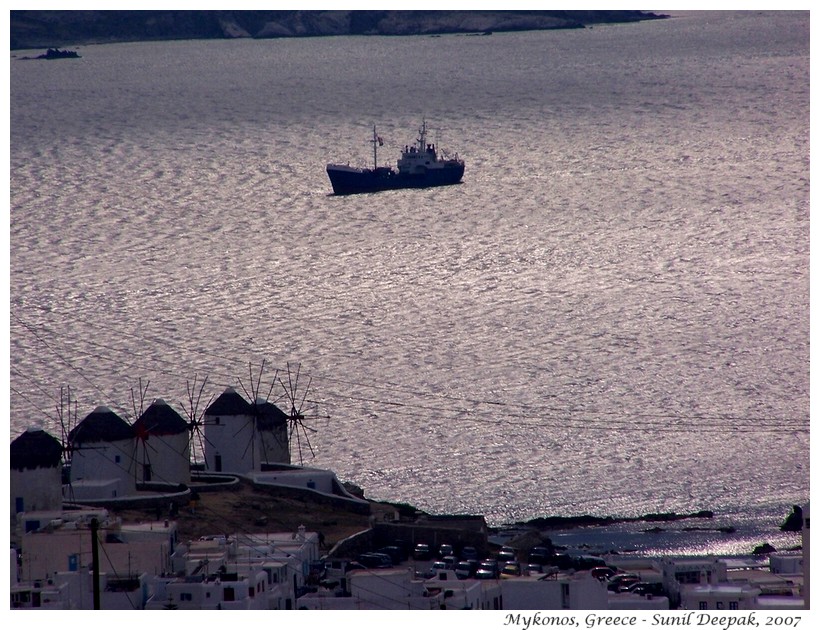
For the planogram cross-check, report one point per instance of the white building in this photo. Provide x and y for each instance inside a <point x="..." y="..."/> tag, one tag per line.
<point x="723" y="596"/>
<point x="64" y="544"/>
<point x="398" y="589"/>
<point x="680" y="573"/>
<point x="162" y="443"/>
<point x="214" y="591"/>
<point x="36" y="472"/>
<point x="260" y="571"/>
<point x="102" y="458"/>
<point x="562" y="592"/>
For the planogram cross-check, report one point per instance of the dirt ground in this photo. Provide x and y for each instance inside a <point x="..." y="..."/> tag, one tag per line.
<point x="245" y="510"/>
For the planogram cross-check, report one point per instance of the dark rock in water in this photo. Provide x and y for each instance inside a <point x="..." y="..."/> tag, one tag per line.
<point x="763" y="549"/>
<point x="794" y="521"/>
<point x="556" y="522"/>
<point x="56" y="53"/>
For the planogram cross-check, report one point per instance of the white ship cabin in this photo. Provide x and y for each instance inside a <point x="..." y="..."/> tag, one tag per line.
<point x="418" y="158"/>
<point x="102" y="458"/>
<point x="162" y="446"/>
<point x="36" y="472"/>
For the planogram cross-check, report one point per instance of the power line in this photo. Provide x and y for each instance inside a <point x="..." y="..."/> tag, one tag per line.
<point x="742" y="423"/>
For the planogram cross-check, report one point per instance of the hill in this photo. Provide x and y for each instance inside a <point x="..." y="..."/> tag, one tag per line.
<point x="38" y="29"/>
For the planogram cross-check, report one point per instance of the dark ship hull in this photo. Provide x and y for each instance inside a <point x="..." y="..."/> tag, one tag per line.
<point x="420" y="166"/>
<point x="348" y="181"/>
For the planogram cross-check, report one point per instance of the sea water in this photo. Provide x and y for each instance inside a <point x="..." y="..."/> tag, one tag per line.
<point x="609" y="316"/>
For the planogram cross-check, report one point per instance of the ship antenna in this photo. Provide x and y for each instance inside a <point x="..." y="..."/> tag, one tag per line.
<point x="375" y="142"/>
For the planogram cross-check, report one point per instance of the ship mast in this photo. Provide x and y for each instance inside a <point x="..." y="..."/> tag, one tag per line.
<point x="423" y="136"/>
<point x="375" y="142"/>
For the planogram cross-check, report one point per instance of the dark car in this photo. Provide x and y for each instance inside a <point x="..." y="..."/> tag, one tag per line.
<point x="465" y="569"/>
<point x="538" y="555"/>
<point x="602" y="573"/>
<point x="469" y="553"/>
<point x="421" y="551"/>
<point x="621" y="581"/>
<point x="646" y="588"/>
<point x="488" y="565"/>
<point x="396" y="555"/>
<point x="450" y="561"/>
<point x="445" y="550"/>
<point x="584" y="563"/>
<point x="507" y="554"/>
<point x="485" y="574"/>
<point x="375" y="560"/>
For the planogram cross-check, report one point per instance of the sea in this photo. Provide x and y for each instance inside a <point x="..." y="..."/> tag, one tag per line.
<point x="609" y="316"/>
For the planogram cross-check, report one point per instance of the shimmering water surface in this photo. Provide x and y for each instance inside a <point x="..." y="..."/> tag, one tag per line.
<point x="610" y="315"/>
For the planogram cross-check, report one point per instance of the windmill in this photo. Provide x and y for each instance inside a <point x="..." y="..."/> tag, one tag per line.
<point x="255" y="424"/>
<point x="283" y="434"/>
<point x="142" y="469"/>
<point x="67" y="424"/>
<point x="300" y="409"/>
<point x="194" y="411"/>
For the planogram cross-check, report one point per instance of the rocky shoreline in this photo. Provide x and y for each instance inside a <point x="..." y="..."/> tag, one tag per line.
<point x="39" y="29"/>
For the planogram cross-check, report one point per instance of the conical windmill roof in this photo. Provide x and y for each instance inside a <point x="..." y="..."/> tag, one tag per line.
<point x="101" y="425"/>
<point x="229" y="403"/>
<point x="160" y="419"/>
<point x="269" y="415"/>
<point x="35" y="449"/>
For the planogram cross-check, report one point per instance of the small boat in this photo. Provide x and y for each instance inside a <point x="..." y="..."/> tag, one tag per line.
<point x="420" y="166"/>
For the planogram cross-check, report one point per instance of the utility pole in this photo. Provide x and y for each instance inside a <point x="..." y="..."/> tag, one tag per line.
<point x="95" y="563"/>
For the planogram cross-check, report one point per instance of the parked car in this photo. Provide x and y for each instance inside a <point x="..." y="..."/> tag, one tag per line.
<point x="485" y="574"/>
<point x="421" y="551"/>
<point x="533" y="567"/>
<point x="646" y="588"/>
<point x="375" y="560"/>
<point x="602" y="573"/>
<point x="435" y="569"/>
<point x="488" y="565"/>
<point x="507" y="554"/>
<point x="445" y="549"/>
<point x="538" y="555"/>
<point x="465" y="569"/>
<point x="396" y="555"/>
<point x="511" y="568"/>
<point x="450" y="561"/>
<point x="585" y="563"/>
<point x="620" y="581"/>
<point x="469" y="553"/>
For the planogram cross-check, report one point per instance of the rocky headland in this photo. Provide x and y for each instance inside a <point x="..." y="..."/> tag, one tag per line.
<point x="39" y="29"/>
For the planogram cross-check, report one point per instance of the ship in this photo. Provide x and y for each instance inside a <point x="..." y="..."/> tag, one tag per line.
<point x="421" y="165"/>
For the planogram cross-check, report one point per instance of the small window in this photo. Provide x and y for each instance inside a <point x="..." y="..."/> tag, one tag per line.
<point x="116" y="459"/>
<point x="732" y="605"/>
<point x="703" y="605"/>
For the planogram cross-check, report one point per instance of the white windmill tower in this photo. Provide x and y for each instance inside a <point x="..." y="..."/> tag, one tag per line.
<point x="102" y="447"/>
<point x="36" y="472"/>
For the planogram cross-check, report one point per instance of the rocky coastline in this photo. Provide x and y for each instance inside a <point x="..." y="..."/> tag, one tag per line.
<point x="40" y="29"/>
